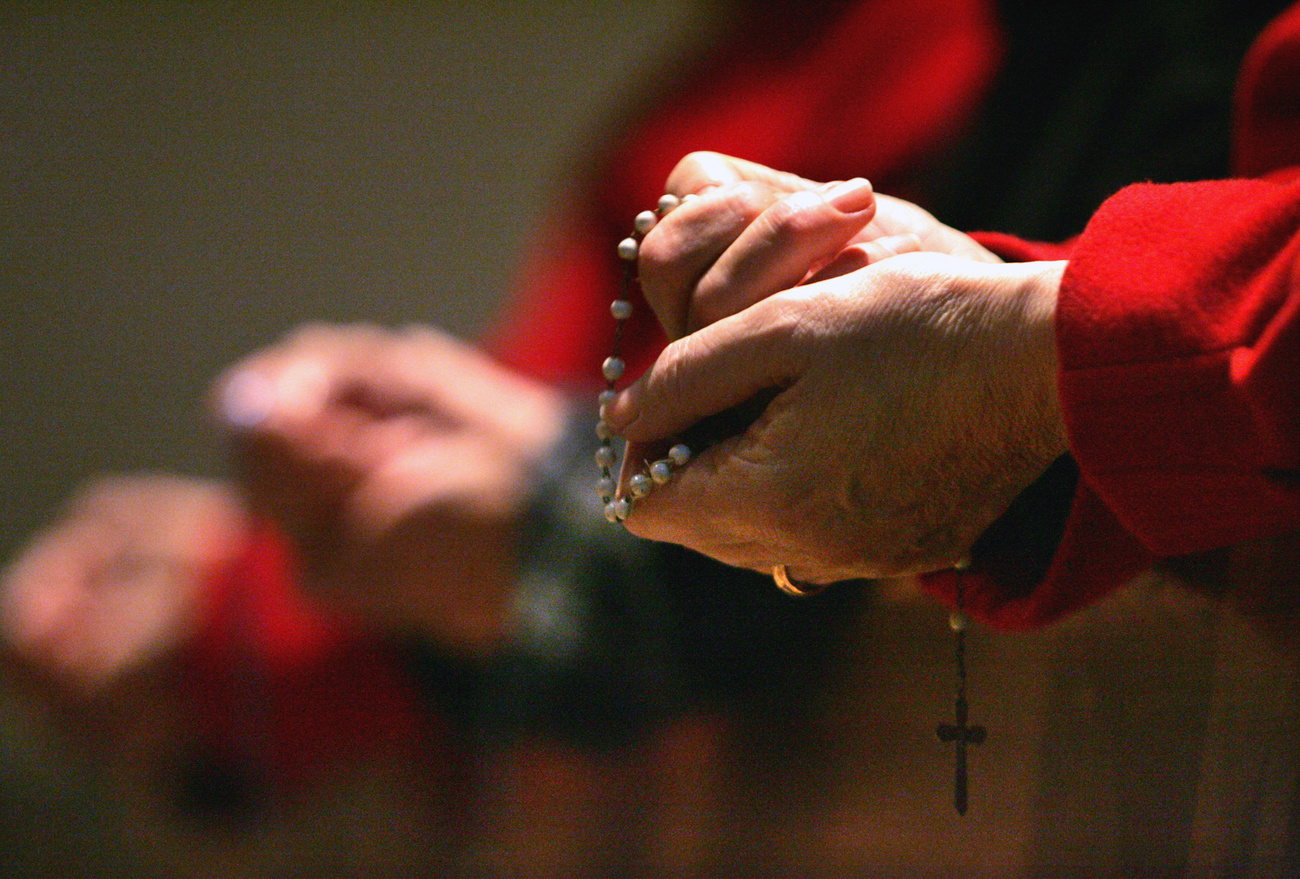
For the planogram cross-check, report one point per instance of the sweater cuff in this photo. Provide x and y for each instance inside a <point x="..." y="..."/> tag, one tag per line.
<point x="1012" y="249"/>
<point x="1155" y="312"/>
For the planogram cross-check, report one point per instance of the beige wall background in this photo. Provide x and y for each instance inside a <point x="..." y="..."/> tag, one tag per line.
<point x="181" y="183"/>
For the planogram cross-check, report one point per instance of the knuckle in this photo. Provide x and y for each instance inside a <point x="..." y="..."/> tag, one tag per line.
<point x="657" y="252"/>
<point x="691" y="171"/>
<point x="311" y="333"/>
<point x="797" y="215"/>
<point x="749" y="198"/>
<point x="672" y="377"/>
<point x="695" y="159"/>
<point x="698" y="158"/>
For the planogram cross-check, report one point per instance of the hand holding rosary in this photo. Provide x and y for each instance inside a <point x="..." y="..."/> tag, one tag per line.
<point x="651" y="474"/>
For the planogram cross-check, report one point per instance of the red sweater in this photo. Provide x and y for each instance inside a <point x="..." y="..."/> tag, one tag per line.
<point x="1178" y="328"/>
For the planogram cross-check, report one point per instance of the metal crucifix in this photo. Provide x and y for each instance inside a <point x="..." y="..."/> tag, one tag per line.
<point x="961" y="733"/>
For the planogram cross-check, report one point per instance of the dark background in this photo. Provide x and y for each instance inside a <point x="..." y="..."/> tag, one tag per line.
<point x="181" y="183"/>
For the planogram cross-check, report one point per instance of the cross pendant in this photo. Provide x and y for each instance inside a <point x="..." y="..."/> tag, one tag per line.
<point x="961" y="734"/>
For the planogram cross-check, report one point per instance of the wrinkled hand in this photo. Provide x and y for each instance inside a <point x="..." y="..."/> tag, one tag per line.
<point x="748" y="231"/>
<point x="917" y="398"/>
<point x="115" y="582"/>
<point x="400" y="462"/>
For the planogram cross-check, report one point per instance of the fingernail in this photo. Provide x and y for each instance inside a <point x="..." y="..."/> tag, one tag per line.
<point x="247" y="399"/>
<point x="851" y="196"/>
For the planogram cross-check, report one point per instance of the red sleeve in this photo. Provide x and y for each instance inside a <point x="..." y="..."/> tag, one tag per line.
<point x="277" y="687"/>
<point x="1266" y="114"/>
<point x="1179" y="334"/>
<point x="1178" y="328"/>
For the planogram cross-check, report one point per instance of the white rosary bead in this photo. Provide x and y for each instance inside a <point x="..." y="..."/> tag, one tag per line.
<point x="613" y="368"/>
<point x="641" y="484"/>
<point x="645" y="221"/>
<point x="957" y="621"/>
<point x="661" y="471"/>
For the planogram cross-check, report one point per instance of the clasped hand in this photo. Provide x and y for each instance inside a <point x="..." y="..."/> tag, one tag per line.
<point x="400" y="461"/>
<point x="912" y="374"/>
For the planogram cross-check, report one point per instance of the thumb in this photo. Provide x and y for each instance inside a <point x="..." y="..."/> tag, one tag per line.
<point x="711" y="370"/>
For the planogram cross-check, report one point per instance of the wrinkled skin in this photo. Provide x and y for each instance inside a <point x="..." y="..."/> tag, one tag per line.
<point x="915" y="392"/>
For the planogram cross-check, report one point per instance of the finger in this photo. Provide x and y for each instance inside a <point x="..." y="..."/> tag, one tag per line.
<point x="458" y="384"/>
<point x="718" y="367"/>
<point x="779" y="249"/>
<point x="423" y="367"/>
<point x="719" y="504"/>
<point x="292" y="440"/>
<point x="416" y="372"/>
<point x="680" y="249"/>
<point x="287" y="384"/>
<point x="686" y="515"/>
<point x="699" y="171"/>
<point x="315" y="391"/>
<point x="858" y="256"/>
<point x="895" y="216"/>
<point x="38" y="590"/>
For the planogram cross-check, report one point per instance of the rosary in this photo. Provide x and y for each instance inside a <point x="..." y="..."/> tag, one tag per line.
<point x="641" y="483"/>
<point x="961" y="733"/>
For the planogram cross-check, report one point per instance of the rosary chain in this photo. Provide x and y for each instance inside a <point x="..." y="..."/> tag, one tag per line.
<point x="654" y="473"/>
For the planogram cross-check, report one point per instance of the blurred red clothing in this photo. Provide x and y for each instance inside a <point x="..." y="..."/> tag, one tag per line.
<point x="833" y="90"/>
<point x="827" y="89"/>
